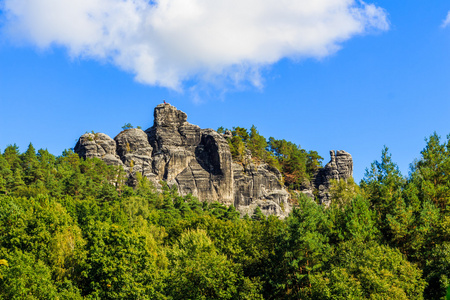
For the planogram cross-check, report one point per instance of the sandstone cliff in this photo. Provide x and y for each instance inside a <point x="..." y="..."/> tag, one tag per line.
<point x="199" y="162"/>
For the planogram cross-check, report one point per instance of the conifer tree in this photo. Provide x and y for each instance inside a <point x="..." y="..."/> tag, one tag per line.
<point x="6" y="179"/>
<point x="258" y="215"/>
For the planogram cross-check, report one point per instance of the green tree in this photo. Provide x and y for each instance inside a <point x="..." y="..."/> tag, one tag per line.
<point x="342" y="192"/>
<point x="30" y="278"/>
<point x="30" y="166"/>
<point x="298" y="166"/>
<point x="429" y="195"/>
<point x="362" y="270"/>
<point x="437" y="271"/>
<point x="119" y="264"/>
<point x="12" y="156"/>
<point x="433" y="171"/>
<point x="383" y="186"/>
<point x="257" y="144"/>
<point x="198" y="271"/>
<point x="302" y="251"/>
<point x="355" y="221"/>
<point x="6" y="178"/>
<point x="258" y="215"/>
<point x="232" y="214"/>
<point x="221" y="130"/>
<point x="127" y="126"/>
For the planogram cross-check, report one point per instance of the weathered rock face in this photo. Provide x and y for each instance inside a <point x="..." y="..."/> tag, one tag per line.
<point x="260" y="186"/>
<point x="208" y="174"/>
<point x="340" y="167"/>
<point x="197" y="160"/>
<point x="98" y="145"/>
<point x="173" y="140"/>
<point x="135" y="151"/>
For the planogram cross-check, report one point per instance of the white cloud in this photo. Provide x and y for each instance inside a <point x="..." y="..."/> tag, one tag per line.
<point x="446" y="21"/>
<point x="166" y="42"/>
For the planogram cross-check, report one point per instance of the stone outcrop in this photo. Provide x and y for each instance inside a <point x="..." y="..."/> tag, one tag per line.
<point x="260" y="185"/>
<point x="199" y="162"/>
<point x="135" y="152"/>
<point x="340" y="167"/>
<point x="98" y="145"/>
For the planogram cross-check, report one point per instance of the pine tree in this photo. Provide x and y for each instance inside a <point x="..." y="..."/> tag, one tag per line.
<point x="12" y="156"/>
<point x="30" y="166"/>
<point x="258" y="215"/>
<point x="6" y="179"/>
<point x="383" y="186"/>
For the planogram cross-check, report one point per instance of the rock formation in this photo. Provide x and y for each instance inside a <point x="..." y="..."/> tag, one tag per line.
<point x="260" y="185"/>
<point x="98" y="145"/>
<point x="135" y="152"/>
<point x="199" y="162"/>
<point x="340" y="167"/>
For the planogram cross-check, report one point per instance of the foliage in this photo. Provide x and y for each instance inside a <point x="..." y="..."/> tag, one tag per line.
<point x="127" y="126"/>
<point x="71" y="229"/>
<point x="343" y="191"/>
<point x="368" y="271"/>
<point x="198" y="270"/>
<point x="296" y="164"/>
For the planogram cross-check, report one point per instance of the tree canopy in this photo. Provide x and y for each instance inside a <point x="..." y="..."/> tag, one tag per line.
<point x="71" y="229"/>
<point x="296" y="164"/>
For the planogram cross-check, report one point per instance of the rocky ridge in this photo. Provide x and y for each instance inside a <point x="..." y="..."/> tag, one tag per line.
<point x="199" y="162"/>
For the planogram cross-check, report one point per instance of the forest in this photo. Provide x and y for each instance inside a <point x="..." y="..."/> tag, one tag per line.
<point x="70" y="228"/>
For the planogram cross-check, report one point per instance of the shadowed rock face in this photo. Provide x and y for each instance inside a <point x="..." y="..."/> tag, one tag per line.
<point x="340" y="167"/>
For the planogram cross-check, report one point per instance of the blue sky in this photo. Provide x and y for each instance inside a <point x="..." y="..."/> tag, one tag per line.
<point x="354" y="77"/>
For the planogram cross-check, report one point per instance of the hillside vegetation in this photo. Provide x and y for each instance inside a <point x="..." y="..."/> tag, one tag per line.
<point x="297" y="165"/>
<point x="71" y="229"/>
